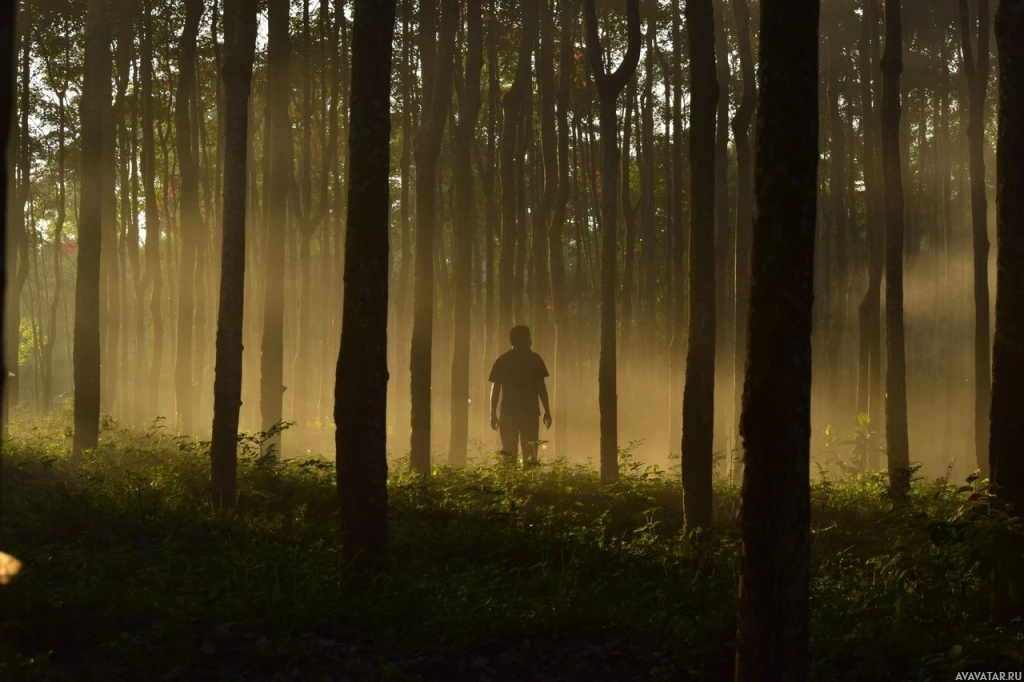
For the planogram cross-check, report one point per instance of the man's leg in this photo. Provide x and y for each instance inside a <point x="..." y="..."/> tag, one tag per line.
<point x="530" y="433"/>
<point x="508" y="429"/>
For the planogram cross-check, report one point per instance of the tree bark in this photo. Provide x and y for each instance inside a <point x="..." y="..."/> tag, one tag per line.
<point x="95" y="107"/>
<point x="464" y="232"/>
<point x="239" y="51"/>
<point x="278" y="142"/>
<point x="699" y="389"/>
<point x="976" y="68"/>
<point x="427" y="151"/>
<point x="896" y="366"/>
<point x="744" y="200"/>
<point x="677" y="242"/>
<point x="360" y="409"/>
<point x="189" y="224"/>
<point x="772" y="619"/>
<point x="609" y="86"/>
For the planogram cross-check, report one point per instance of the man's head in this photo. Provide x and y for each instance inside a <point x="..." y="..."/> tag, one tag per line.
<point x="519" y="336"/>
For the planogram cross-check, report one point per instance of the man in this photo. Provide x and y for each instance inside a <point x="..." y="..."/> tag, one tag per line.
<point x="518" y="381"/>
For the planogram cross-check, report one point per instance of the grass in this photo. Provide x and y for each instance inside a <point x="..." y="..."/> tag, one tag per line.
<point x="497" y="574"/>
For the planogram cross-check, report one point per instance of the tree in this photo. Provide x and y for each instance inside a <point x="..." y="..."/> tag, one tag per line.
<point x="1007" y="426"/>
<point x="437" y="74"/>
<point x="976" y="68"/>
<point x="95" y="107"/>
<point x="896" y="364"/>
<point x="699" y="389"/>
<point x="360" y="389"/>
<point x="184" y="398"/>
<point x="512" y="104"/>
<point x="609" y="86"/>
<point x="240" y="45"/>
<point x="772" y="620"/>
<point x="559" y="291"/>
<point x="7" y="62"/>
<point x="279" y="178"/>
<point x="464" y="232"/>
<point x="153" y="276"/>
<point x="744" y="199"/>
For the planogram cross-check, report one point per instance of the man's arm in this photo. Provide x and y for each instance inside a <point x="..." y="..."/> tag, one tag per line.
<point x="543" y="391"/>
<point x="495" y="395"/>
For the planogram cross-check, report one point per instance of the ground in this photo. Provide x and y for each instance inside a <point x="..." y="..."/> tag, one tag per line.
<point x="497" y="574"/>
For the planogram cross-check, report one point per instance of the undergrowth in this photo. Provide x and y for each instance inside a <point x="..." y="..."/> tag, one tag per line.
<point x="497" y="573"/>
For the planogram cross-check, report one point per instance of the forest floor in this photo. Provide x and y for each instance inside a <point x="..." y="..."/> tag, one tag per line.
<point x="497" y="574"/>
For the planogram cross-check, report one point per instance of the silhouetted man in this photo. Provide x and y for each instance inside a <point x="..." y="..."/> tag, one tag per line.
<point x="518" y="381"/>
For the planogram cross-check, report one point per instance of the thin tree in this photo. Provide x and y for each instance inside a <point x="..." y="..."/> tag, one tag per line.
<point x="153" y="276"/>
<point x="278" y="182"/>
<point x="559" y="291"/>
<point x="896" y="363"/>
<point x="239" y="52"/>
<point x="360" y="389"/>
<point x="744" y="199"/>
<point x="7" y="62"/>
<point x="438" y="73"/>
<point x="512" y="104"/>
<point x="1007" y="430"/>
<point x="95" y="106"/>
<point x="699" y="389"/>
<point x="464" y="231"/>
<point x="772" y="620"/>
<point x="975" y="66"/>
<point x="609" y="86"/>
<point x="189" y="225"/>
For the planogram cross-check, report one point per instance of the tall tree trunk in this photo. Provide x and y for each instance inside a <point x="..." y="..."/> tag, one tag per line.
<point x="509" y="154"/>
<point x="626" y="208"/>
<point x="723" y="231"/>
<point x="559" y="294"/>
<point x="772" y="619"/>
<point x="976" y="69"/>
<point x="609" y="86"/>
<point x="835" y="375"/>
<point x="677" y="241"/>
<point x="427" y="151"/>
<point x="153" y="276"/>
<point x="744" y="217"/>
<point x="464" y="232"/>
<point x="896" y="365"/>
<point x="1007" y="465"/>
<point x="400" y="383"/>
<point x="278" y="183"/>
<point x="95" y="108"/>
<point x="699" y="390"/>
<point x="189" y="226"/>
<point x="360" y="409"/>
<point x="869" y="356"/>
<point x="239" y="45"/>
<point x="7" y="109"/>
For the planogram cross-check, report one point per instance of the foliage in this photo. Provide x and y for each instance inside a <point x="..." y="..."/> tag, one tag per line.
<point x="498" y="573"/>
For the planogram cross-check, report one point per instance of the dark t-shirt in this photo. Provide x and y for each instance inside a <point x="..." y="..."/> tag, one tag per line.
<point x="519" y="372"/>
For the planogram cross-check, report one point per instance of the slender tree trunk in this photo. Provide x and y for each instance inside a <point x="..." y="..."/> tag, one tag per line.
<point x="239" y="45"/>
<point x="7" y="108"/>
<point x="360" y="410"/>
<point x="401" y="382"/>
<point x="772" y="619"/>
<point x="699" y="390"/>
<point x="95" y="107"/>
<point x="189" y="227"/>
<point x="464" y="233"/>
<point x="744" y="221"/>
<point x="609" y="86"/>
<point x="278" y="182"/>
<point x="1007" y="466"/>
<point x="976" y="68"/>
<point x="835" y="376"/>
<point x="152" y="277"/>
<point x="629" y="246"/>
<point x="723" y="232"/>
<point x="58" y="246"/>
<point x="509" y="153"/>
<point x="896" y="365"/>
<point x="677" y="292"/>
<point x="427" y="152"/>
<point x="559" y="293"/>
